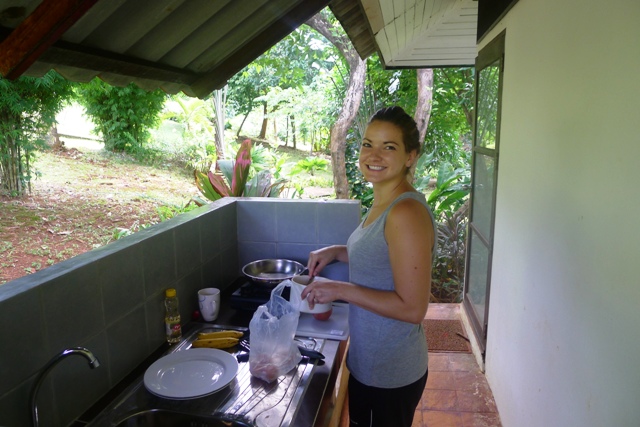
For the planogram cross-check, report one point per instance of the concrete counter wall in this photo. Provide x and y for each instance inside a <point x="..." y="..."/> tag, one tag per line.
<point x="110" y="300"/>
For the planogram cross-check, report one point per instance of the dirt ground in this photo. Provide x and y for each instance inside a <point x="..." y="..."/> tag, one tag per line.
<point x="81" y="200"/>
<point x="84" y="198"/>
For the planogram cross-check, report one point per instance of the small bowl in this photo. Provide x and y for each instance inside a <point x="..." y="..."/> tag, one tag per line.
<point x="302" y="280"/>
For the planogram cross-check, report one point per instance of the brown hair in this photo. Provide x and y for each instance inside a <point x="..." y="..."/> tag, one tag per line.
<point x="397" y="116"/>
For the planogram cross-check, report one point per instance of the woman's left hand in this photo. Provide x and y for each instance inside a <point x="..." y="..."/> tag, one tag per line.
<point x="321" y="292"/>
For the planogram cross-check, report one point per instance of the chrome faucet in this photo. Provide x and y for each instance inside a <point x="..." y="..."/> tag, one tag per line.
<point x="93" y="363"/>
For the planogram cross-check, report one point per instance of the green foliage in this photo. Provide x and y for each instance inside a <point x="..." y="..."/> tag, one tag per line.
<point x="169" y="211"/>
<point x="28" y="107"/>
<point x="123" y="115"/>
<point x="310" y="165"/>
<point x="447" y="275"/>
<point x="449" y="132"/>
<point x="290" y="80"/>
<point x="449" y="203"/>
<point x="452" y="188"/>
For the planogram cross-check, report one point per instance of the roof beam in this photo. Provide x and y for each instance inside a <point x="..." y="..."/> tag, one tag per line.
<point x="33" y="36"/>
<point x="100" y="61"/>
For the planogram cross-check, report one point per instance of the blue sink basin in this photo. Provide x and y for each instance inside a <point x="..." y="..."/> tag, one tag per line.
<point x="163" y="418"/>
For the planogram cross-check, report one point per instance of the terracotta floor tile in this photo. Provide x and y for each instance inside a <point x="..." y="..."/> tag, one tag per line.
<point x="471" y="381"/>
<point x="439" y="400"/>
<point x="457" y="393"/>
<point x="477" y="419"/>
<point x="438" y="362"/>
<point x="475" y="401"/>
<point x="441" y="381"/>
<point x="441" y="419"/>
<point x="463" y="362"/>
<point x="417" y="419"/>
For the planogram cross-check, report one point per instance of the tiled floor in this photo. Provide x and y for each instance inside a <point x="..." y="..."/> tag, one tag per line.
<point x="457" y="393"/>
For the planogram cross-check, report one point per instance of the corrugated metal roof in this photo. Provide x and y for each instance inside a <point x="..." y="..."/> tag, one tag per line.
<point x="193" y="46"/>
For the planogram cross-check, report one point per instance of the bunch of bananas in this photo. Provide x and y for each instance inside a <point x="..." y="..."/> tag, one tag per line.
<point x="218" y="339"/>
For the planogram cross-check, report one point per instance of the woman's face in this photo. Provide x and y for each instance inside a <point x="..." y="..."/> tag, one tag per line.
<point x="383" y="156"/>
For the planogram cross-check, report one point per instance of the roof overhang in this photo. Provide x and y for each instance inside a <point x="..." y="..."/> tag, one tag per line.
<point x="412" y="33"/>
<point x="193" y="46"/>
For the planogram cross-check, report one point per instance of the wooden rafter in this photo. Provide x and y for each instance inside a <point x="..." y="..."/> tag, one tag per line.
<point x="38" y="32"/>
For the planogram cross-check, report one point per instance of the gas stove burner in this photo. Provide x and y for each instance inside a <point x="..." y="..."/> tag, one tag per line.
<point x="249" y="296"/>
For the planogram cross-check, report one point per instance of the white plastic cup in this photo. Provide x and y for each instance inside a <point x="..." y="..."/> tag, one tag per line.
<point x="209" y="302"/>
<point x="298" y="283"/>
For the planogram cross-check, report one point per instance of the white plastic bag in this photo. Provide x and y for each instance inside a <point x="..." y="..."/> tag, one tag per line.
<point x="272" y="329"/>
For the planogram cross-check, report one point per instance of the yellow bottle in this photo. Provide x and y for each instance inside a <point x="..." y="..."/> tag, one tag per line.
<point x="172" y="317"/>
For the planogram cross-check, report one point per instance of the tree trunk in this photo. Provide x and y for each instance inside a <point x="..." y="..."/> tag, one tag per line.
<point x="265" y="120"/>
<point x="286" y="135"/>
<point x="339" y="130"/>
<point x="425" y="97"/>
<point x="350" y="104"/>
<point x="275" y="129"/>
<point x="423" y="106"/>
<point x="293" y="131"/>
<point x="219" y="100"/>
<point x="242" y="124"/>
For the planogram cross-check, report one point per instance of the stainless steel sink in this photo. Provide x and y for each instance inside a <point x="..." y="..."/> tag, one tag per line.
<point x="162" y="418"/>
<point x="246" y="401"/>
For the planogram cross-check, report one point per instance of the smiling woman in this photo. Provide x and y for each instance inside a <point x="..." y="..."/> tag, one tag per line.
<point x="389" y="278"/>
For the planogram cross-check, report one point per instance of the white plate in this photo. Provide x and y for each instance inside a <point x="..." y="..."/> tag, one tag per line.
<point x="190" y="373"/>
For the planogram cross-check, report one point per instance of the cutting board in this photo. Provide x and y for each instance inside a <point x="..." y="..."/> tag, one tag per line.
<point x="335" y="328"/>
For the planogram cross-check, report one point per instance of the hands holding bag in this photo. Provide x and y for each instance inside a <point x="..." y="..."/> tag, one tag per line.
<point x="272" y="330"/>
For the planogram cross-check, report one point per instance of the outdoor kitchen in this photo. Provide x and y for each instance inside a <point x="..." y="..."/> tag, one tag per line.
<point x="110" y="301"/>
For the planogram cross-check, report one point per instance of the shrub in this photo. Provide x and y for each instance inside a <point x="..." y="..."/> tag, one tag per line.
<point x="123" y="115"/>
<point x="28" y="107"/>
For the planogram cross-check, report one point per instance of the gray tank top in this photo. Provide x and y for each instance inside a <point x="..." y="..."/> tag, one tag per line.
<point x="383" y="352"/>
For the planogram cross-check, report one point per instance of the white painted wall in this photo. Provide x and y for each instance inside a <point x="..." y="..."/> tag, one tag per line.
<point x="564" y="325"/>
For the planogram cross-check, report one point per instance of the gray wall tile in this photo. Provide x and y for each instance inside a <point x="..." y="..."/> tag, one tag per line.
<point x="22" y="318"/>
<point x="257" y="220"/>
<point x="121" y="287"/>
<point x="296" y="222"/>
<point x="210" y="226"/>
<point x="253" y="251"/>
<point x="127" y="339"/>
<point x="212" y="273"/>
<point x="336" y="221"/>
<point x="159" y="262"/>
<point x="188" y="252"/>
<point x="13" y="406"/>
<point x="187" y="289"/>
<point x="73" y="307"/>
<point x="230" y="264"/>
<point x="154" y="316"/>
<point x="228" y="225"/>
<point x="295" y="251"/>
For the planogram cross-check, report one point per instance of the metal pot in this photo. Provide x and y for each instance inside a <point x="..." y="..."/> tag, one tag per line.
<point x="270" y="272"/>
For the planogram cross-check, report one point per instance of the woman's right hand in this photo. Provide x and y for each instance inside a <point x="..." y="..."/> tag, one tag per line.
<point x="320" y="258"/>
